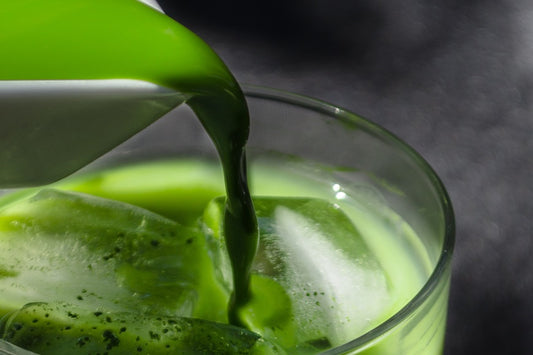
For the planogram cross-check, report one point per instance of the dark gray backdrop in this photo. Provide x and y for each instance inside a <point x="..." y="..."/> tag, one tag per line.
<point x="453" y="78"/>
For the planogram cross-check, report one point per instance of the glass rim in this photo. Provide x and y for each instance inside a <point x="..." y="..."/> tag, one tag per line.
<point x="444" y="261"/>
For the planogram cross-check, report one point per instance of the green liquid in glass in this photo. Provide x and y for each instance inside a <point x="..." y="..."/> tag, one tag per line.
<point x="124" y="262"/>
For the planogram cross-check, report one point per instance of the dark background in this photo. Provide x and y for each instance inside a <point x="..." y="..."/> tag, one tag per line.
<point x="454" y="79"/>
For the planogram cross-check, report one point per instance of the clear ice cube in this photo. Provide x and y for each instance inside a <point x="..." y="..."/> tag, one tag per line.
<point x="336" y="287"/>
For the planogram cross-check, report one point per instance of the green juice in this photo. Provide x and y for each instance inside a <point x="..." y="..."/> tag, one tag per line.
<point x="172" y="256"/>
<point x="85" y="266"/>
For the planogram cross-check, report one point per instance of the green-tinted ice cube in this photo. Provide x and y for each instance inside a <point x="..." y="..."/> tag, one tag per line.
<point x="334" y="285"/>
<point x="67" y="329"/>
<point x="104" y="255"/>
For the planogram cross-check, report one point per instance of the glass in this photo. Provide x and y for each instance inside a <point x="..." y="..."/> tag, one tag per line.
<point x="353" y="160"/>
<point x="320" y="132"/>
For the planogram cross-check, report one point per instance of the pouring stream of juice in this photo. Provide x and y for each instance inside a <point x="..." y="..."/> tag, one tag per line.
<point x="79" y="77"/>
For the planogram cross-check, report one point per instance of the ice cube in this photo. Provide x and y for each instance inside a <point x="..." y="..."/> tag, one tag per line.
<point x="105" y="255"/>
<point x="336" y="287"/>
<point x="58" y="328"/>
<point x="336" y="292"/>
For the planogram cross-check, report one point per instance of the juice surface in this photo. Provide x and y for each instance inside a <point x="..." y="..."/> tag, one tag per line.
<point x="104" y="39"/>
